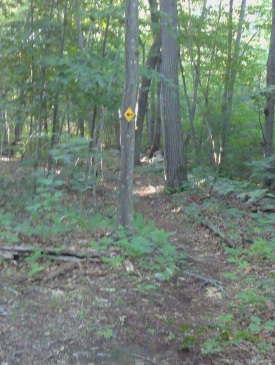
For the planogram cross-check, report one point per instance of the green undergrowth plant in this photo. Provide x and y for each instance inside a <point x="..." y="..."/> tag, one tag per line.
<point x="263" y="170"/>
<point x="73" y="158"/>
<point x="149" y="248"/>
<point x="34" y="263"/>
<point x="44" y="209"/>
<point x="247" y="318"/>
<point x="106" y="333"/>
<point x="149" y="170"/>
<point x="223" y="332"/>
<point x="39" y="214"/>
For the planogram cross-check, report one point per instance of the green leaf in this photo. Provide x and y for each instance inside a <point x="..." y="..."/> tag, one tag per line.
<point x="184" y="327"/>
<point x="254" y="327"/>
<point x="230" y="275"/>
<point x="210" y="347"/>
<point x="269" y="325"/>
<point x="113" y="261"/>
<point x="188" y="342"/>
<point x="256" y="319"/>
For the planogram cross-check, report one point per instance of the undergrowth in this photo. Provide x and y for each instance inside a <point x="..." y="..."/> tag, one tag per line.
<point x="250" y="316"/>
<point x="39" y="207"/>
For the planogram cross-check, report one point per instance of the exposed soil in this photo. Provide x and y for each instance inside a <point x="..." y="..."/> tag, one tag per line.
<point x="89" y="313"/>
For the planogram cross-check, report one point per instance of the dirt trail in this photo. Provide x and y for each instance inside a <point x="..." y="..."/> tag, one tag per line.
<point x="206" y="254"/>
<point x="92" y="314"/>
<point x="78" y="317"/>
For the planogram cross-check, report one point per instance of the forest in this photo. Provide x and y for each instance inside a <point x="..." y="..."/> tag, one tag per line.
<point x="137" y="182"/>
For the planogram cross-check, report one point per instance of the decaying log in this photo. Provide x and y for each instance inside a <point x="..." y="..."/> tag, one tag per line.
<point x="218" y="233"/>
<point x="17" y="252"/>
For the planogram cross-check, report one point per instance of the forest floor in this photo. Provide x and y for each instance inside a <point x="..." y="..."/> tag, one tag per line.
<point x="91" y="313"/>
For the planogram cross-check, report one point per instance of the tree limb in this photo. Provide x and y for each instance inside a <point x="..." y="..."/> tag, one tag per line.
<point x="218" y="233"/>
<point x="206" y="281"/>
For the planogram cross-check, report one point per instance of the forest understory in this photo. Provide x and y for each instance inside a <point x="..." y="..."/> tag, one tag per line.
<point x="202" y="293"/>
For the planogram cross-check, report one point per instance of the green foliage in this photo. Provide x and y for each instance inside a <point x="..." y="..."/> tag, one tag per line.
<point x="74" y="156"/>
<point x="7" y="220"/>
<point x="38" y="212"/>
<point x="223" y="333"/>
<point x="33" y="262"/>
<point x="193" y="210"/>
<point x="262" y="250"/>
<point x="106" y="333"/>
<point x="113" y="261"/>
<point x="149" y="248"/>
<point x="92" y="74"/>
<point x="253" y="295"/>
<point x="257" y="326"/>
<point x="263" y="169"/>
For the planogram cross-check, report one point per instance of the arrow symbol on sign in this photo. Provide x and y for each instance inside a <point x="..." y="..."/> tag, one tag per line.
<point x="129" y="114"/>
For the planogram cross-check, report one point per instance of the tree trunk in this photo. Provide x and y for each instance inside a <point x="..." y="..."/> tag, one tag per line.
<point x="125" y="180"/>
<point x="144" y="87"/>
<point x="42" y="87"/>
<point x="269" y="102"/>
<point x="55" y="124"/>
<point x="196" y="77"/>
<point x="175" y="164"/>
<point x="270" y="97"/>
<point x="155" y="145"/>
<point x="230" y="79"/>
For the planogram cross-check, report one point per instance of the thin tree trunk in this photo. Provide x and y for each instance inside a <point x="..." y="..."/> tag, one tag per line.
<point x="152" y="58"/>
<point x="42" y="87"/>
<point x="196" y="66"/>
<point x="155" y="145"/>
<point x="270" y="98"/>
<point x="79" y="28"/>
<point x="55" y="124"/>
<point x="126" y="167"/>
<point x="152" y="120"/>
<point x="233" y="59"/>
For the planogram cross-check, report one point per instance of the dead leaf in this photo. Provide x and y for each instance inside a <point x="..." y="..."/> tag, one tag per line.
<point x="213" y="293"/>
<point x="129" y="266"/>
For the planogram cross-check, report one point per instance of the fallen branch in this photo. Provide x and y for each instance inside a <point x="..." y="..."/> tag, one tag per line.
<point x="147" y="359"/>
<point x="218" y="233"/>
<point x="15" y="252"/>
<point x="206" y="281"/>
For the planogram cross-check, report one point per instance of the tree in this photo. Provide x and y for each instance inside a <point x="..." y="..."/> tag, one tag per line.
<point x="231" y="71"/>
<point x="270" y="96"/>
<point x="55" y="125"/>
<point x="69" y="89"/>
<point x="156" y="130"/>
<point x="195" y="64"/>
<point x="175" y="164"/>
<point x="125" y="180"/>
<point x="150" y="64"/>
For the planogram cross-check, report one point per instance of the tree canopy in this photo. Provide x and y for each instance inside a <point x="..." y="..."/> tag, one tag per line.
<point x="62" y="67"/>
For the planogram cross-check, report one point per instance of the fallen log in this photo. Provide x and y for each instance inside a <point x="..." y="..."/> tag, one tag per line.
<point x="55" y="254"/>
<point x="218" y="233"/>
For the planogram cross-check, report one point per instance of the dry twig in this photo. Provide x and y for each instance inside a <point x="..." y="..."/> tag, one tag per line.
<point x="206" y="281"/>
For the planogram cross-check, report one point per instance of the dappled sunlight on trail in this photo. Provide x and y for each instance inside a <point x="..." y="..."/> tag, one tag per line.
<point x="144" y="190"/>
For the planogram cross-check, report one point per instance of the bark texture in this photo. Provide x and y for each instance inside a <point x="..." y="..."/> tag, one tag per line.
<point x="150" y="64"/>
<point x="270" y="97"/>
<point x="125" y="180"/>
<point x="175" y="165"/>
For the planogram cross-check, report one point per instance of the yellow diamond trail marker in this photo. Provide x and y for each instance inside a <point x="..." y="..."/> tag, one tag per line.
<point x="129" y="115"/>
